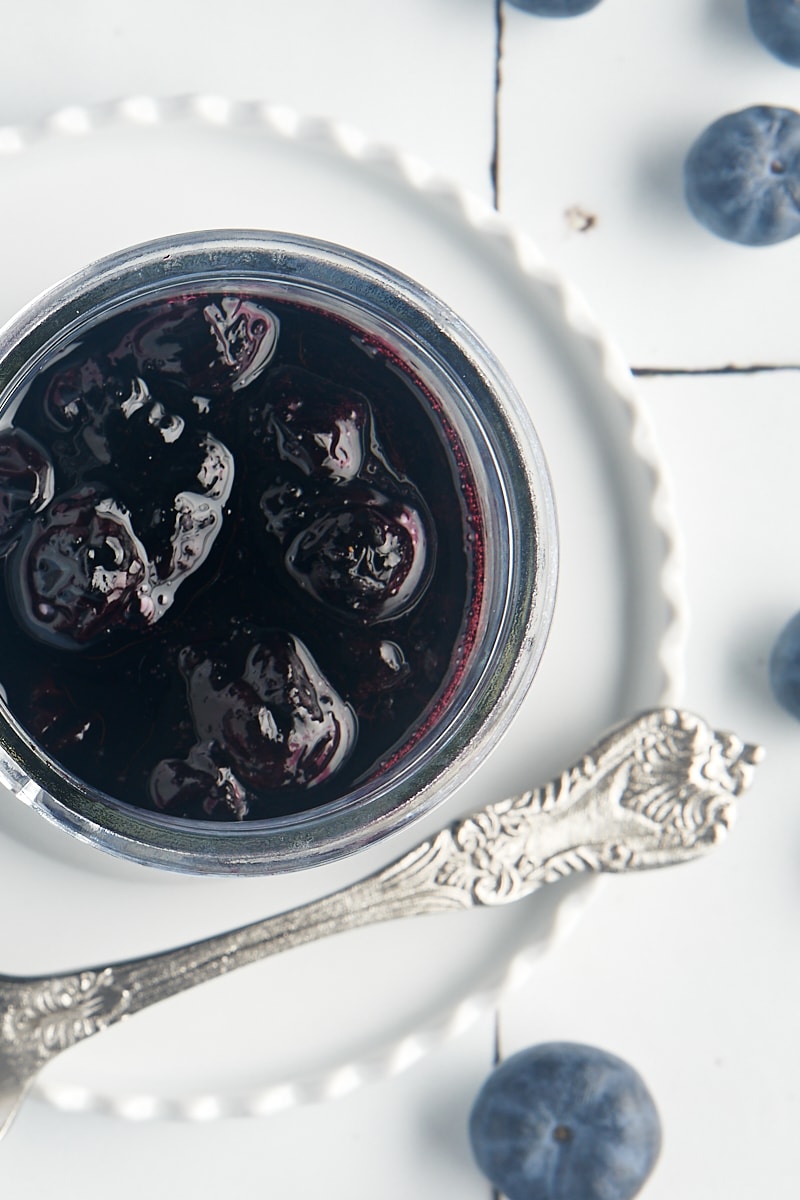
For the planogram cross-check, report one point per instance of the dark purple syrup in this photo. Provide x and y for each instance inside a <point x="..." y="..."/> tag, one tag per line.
<point x="242" y="556"/>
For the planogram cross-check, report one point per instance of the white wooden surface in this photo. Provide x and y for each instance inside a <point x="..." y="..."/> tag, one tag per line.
<point x="693" y="975"/>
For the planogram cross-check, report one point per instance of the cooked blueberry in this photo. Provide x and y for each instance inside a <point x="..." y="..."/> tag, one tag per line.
<point x="278" y="724"/>
<point x="136" y="441"/>
<point x="26" y="482"/>
<point x="742" y="176"/>
<point x="210" y="343"/>
<point x="368" y="561"/>
<point x="784" y="667"/>
<point x="86" y="401"/>
<point x="173" y="481"/>
<point x="555" y="8"/>
<point x="78" y="572"/>
<point x="379" y="671"/>
<point x="776" y="24"/>
<point x="198" y="787"/>
<point x="321" y="428"/>
<point x="562" y="1121"/>
<point x="283" y="507"/>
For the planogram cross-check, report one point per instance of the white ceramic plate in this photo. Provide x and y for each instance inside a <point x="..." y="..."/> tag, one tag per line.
<point x="323" y="1019"/>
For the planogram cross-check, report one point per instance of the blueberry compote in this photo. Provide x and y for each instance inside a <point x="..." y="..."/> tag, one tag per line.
<point x="242" y="555"/>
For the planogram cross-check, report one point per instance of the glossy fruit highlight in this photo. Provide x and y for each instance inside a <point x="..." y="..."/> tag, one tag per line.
<point x="555" y="8"/>
<point x="776" y="24"/>
<point x="784" y="667"/>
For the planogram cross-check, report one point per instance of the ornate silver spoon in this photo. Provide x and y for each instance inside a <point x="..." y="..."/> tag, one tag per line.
<point x="657" y="791"/>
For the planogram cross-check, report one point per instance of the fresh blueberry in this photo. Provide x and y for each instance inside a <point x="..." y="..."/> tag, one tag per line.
<point x="555" y="8"/>
<point x="784" y="667"/>
<point x="562" y="1121"/>
<point x="742" y="176"/>
<point x="776" y="24"/>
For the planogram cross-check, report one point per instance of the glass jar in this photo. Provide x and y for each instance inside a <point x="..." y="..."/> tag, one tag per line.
<point x="73" y="395"/>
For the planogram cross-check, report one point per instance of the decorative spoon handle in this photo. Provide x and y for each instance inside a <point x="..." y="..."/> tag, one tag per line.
<point x="657" y="791"/>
